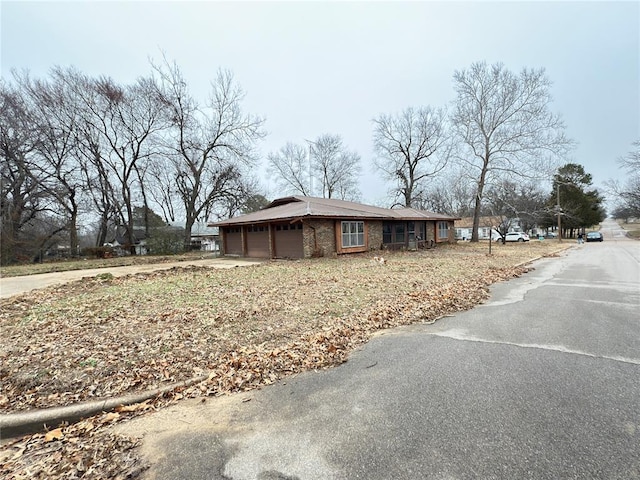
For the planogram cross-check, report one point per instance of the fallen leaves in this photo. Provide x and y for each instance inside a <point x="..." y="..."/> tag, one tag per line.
<point x="85" y="450"/>
<point x="53" y="435"/>
<point x="242" y="328"/>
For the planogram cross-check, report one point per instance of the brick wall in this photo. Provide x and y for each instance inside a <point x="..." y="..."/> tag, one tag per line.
<point x="319" y="238"/>
<point x="431" y="233"/>
<point x="375" y="235"/>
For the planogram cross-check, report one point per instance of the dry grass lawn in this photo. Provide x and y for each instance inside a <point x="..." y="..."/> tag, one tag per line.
<point x="85" y="263"/>
<point x="237" y="329"/>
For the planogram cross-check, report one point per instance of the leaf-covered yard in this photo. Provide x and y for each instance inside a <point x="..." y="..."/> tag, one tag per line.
<point x="236" y="329"/>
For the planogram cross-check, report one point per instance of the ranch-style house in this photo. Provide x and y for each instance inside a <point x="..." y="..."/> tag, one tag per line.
<point x="303" y="227"/>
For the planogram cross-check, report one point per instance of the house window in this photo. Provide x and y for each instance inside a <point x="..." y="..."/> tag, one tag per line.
<point x="443" y="230"/>
<point x="387" y="231"/>
<point x="399" y="233"/>
<point x="396" y="233"/>
<point x="352" y="234"/>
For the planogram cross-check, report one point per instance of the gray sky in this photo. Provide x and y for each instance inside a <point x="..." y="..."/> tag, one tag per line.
<point x="330" y="67"/>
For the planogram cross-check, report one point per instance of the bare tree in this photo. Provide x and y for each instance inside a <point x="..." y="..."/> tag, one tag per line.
<point x="128" y="119"/>
<point x="211" y="147"/>
<point x="628" y="193"/>
<point x="28" y="199"/>
<point x="100" y="186"/>
<point x="326" y="166"/>
<point x="291" y="169"/>
<point x="335" y="168"/>
<point x="450" y="193"/>
<point x="91" y="147"/>
<point x="516" y="200"/>
<point x="22" y="197"/>
<point x="57" y="167"/>
<point x="631" y="162"/>
<point x="162" y="189"/>
<point x="505" y="123"/>
<point x="411" y="147"/>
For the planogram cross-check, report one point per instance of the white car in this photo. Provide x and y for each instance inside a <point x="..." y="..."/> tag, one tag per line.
<point x="516" y="237"/>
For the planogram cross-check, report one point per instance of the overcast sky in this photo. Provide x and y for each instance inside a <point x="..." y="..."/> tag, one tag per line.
<point x="312" y="68"/>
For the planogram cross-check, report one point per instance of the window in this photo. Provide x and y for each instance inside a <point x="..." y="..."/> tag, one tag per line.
<point x="352" y="234"/>
<point x="443" y="230"/>
<point x="399" y="236"/>
<point x="396" y="233"/>
<point x="386" y="232"/>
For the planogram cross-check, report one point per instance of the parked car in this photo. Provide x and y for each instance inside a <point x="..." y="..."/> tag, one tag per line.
<point x="594" y="237"/>
<point x="516" y="237"/>
<point x="552" y="235"/>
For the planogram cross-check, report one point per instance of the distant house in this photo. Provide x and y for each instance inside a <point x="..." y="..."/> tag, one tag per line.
<point x="121" y="246"/>
<point x="495" y="225"/>
<point x="204" y="237"/>
<point x="303" y="227"/>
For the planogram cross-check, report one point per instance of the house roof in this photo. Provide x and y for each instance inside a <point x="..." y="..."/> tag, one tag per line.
<point x="201" y="229"/>
<point x="299" y="207"/>
<point x="121" y="238"/>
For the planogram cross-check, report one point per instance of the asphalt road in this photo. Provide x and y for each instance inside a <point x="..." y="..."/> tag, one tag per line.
<point x="541" y="382"/>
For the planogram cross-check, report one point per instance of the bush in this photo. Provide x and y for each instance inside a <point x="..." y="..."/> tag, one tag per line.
<point x="165" y="241"/>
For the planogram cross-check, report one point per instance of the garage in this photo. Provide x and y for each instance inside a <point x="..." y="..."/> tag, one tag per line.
<point x="258" y="241"/>
<point x="233" y="241"/>
<point x="288" y="240"/>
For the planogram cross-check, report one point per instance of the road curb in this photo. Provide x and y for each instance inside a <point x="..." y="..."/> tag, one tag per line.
<point x="33" y="421"/>
<point x="539" y="257"/>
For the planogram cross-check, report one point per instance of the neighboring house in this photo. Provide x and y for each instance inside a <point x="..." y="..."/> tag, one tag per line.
<point x="204" y="237"/>
<point x="120" y="243"/>
<point x="303" y="227"/>
<point x="464" y="227"/>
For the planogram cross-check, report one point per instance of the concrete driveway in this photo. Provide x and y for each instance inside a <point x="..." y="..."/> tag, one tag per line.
<point x="10" y="286"/>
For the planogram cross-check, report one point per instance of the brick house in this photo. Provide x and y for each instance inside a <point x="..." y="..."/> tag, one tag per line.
<point x="303" y="227"/>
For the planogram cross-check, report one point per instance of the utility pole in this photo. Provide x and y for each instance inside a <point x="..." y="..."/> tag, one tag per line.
<point x="559" y="212"/>
<point x="310" y="160"/>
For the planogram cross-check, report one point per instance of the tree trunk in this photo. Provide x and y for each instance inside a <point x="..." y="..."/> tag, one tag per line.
<point x="73" y="232"/>
<point x="478" y="202"/>
<point x="187" y="232"/>
<point x="476" y="217"/>
<point x="131" y="238"/>
<point x="101" y="238"/>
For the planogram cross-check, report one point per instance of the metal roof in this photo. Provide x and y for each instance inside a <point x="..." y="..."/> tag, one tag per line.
<point x="299" y="207"/>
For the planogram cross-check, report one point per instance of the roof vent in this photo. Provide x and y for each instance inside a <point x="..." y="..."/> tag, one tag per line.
<point x="308" y="208"/>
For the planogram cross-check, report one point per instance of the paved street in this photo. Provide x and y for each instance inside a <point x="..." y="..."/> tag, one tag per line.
<point x="541" y="382"/>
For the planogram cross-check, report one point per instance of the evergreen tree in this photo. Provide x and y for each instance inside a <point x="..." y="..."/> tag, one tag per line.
<point x="580" y="205"/>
